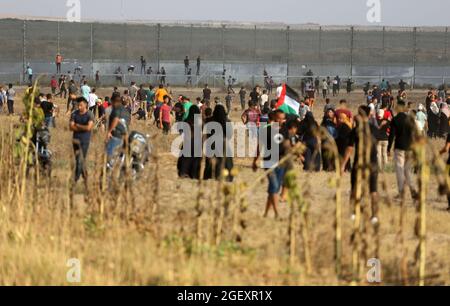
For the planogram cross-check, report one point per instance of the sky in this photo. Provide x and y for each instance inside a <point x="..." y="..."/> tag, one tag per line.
<point x="324" y="12"/>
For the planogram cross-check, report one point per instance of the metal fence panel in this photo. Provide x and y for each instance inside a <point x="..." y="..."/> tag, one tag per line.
<point x="399" y="46"/>
<point x="11" y="32"/>
<point x="109" y="42"/>
<point x="141" y="40"/>
<point x="271" y="45"/>
<point x="75" y="41"/>
<point x="239" y="44"/>
<point x="368" y="47"/>
<point x="305" y="46"/>
<point x="206" y="42"/>
<point x="431" y="46"/>
<point x="336" y="45"/>
<point x="41" y="41"/>
<point x="421" y="54"/>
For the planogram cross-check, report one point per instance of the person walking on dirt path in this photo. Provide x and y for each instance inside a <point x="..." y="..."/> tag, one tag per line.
<point x="141" y="97"/>
<point x="161" y="92"/>
<point x="187" y="104"/>
<point x="85" y="90"/>
<point x="276" y="177"/>
<point x="229" y="102"/>
<point x="119" y="121"/>
<point x="92" y="101"/>
<point x="353" y="146"/>
<point x="206" y="93"/>
<point x="264" y="99"/>
<point x="317" y="85"/>
<point x="81" y="124"/>
<point x="53" y="84"/>
<point x="58" y="62"/>
<point x="403" y="131"/>
<point x="230" y="84"/>
<point x="73" y="91"/>
<point x="164" y="116"/>
<point x="446" y="149"/>
<point x="349" y="85"/>
<point x="3" y="101"/>
<point x="324" y="89"/>
<point x="62" y="86"/>
<point x="10" y="97"/>
<point x="150" y="93"/>
<point x="242" y="97"/>
<point x="49" y="109"/>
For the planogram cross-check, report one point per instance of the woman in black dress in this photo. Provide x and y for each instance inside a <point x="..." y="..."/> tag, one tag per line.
<point x="309" y="135"/>
<point x="214" y="165"/>
<point x="329" y="123"/>
<point x="189" y="166"/>
<point x="344" y="129"/>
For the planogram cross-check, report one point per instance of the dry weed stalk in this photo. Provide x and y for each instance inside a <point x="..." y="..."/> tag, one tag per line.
<point x="331" y="146"/>
<point x="421" y="222"/>
<point x="199" y="208"/>
<point x="293" y="200"/>
<point x="356" y="231"/>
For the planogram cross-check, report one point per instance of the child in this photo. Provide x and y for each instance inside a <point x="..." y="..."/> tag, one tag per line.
<point x="164" y="116"/>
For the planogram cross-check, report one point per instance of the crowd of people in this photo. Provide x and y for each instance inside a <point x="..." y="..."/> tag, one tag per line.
<point x="393" y="122"/>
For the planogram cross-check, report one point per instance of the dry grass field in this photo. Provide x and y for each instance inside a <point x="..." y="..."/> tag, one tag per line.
<point x="163" y="230"/>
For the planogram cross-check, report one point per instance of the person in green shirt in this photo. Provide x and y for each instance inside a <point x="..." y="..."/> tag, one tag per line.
<point x="150" y="98"/>
<point x="186" y="106"/>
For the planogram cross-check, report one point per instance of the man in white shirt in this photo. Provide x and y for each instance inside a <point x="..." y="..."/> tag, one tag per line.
<point x="92" y="101"/>
<point x="324" y="89"/>
<point x="85" y="90"/>
<point x="264" y="98"/>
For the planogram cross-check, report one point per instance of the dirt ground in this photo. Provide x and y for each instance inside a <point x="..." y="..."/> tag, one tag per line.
<point x="261" y="256"/>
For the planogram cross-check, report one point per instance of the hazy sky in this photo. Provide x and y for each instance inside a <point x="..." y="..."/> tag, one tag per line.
<point x="326" y="12"/>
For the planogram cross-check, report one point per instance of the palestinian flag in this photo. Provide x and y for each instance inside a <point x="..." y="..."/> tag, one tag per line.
<point x="289" y="101"/>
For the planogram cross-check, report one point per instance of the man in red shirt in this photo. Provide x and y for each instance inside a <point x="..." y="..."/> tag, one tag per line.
<point x="58" y="62"/>
<point x="53" y="84"/>
<point x="343" y="109"/>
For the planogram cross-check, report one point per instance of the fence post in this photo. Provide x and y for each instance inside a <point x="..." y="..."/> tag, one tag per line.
<point x="384" y="52"/>
<point x="58" y="37"/>
<point x="125" y="30"/>
<point x="288" y="41"/>
<point x="158" y="46"/>
<point x="222" y="37"/>
<point x="352" y="30"/>
<point x="320" y="51"/>
<point x="92" y="50"/>
<point x="191" y="38"/>
<point x="413" y="83"/>
<point x="24" y="51"/>
<point x="254" y="55"/>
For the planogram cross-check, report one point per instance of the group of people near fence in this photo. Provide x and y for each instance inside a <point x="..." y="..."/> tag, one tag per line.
<point x="381" y="127"/>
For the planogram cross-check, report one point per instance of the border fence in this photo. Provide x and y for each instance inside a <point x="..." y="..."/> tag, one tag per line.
<point x="420" y="56"/>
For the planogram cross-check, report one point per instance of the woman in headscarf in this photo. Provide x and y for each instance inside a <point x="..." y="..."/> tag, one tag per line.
<point x="329" y="123"/>
<point x="189" y="166"/>
<point x="309" y="134"/>
<point x="344" y="129"/>
<point x="433" y="119"/>
<point x="214" y="166"/>
<point x="443" y="120"/>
